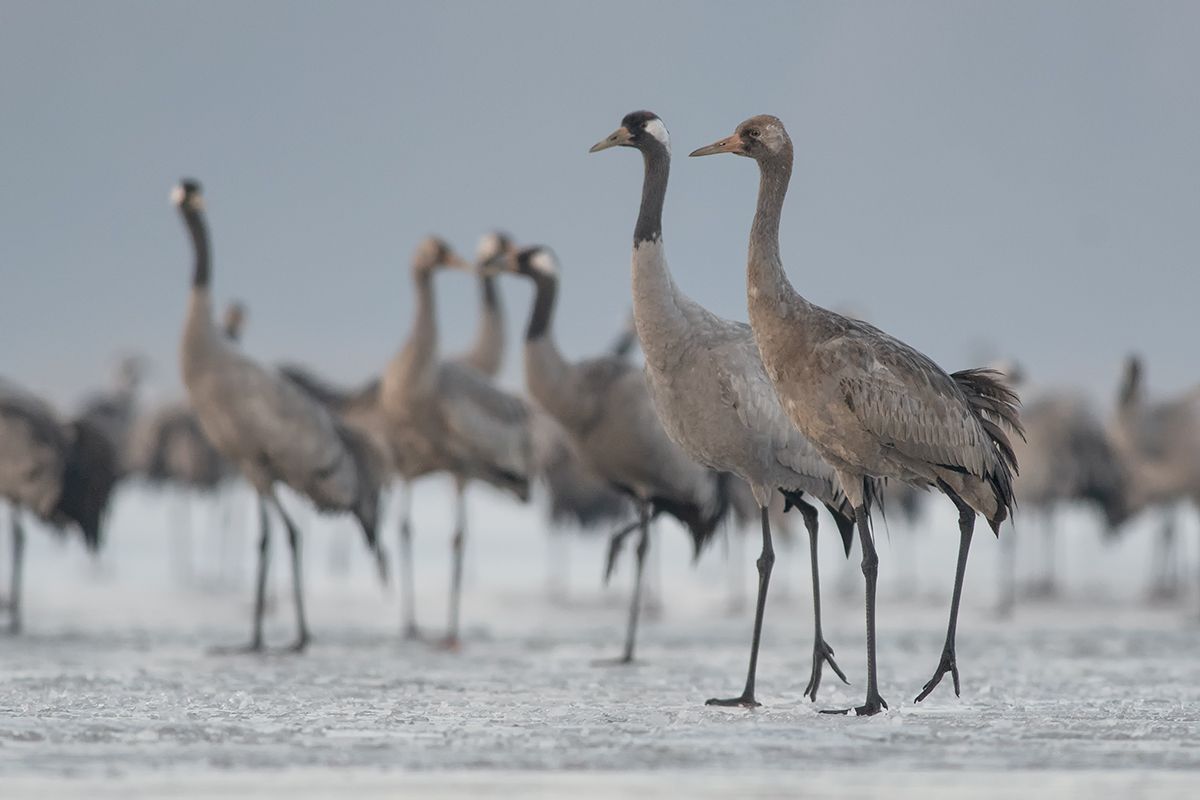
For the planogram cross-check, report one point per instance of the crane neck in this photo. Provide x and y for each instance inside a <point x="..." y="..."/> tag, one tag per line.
<point x="198" y="230"/>
<point x="489" y="296"/>
<point x="658" y="304"/>
<point x="420" y="350"/>
<point x="765" y="275"/>
<point x="486" y="353"/>
<point x="543" y="307"/>
<point x="657" y="158"/>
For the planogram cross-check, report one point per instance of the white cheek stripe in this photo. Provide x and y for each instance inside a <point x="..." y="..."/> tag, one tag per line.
<point x="489" y="246"/>
<point x="656" y="129"/>
<point x="544" y="262"/>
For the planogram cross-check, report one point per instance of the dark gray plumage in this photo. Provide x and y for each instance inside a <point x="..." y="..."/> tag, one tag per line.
<point x="872" y="405"/>
<point x="63" y="473"/>
<point x="713" y="396"/>
<point x="604" y="404"/>
<point x="114" y="413"/>
<point x="446" y="416"/>
<point x="1159" y="441"/>
<point x="269" y="429"/>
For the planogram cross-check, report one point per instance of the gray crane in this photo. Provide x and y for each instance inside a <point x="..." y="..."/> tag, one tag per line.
<point x="114" y="413"/>
<point x="447" y="416"/>
<point x="167" y="449"/>
<point x="269" y="429"/>
<point x="872" y="405"/>
<point x="62" y="473"/>
<point x="1067" y="456"/>
<point x="1160" y="443"/>
<point x="604" y="404"/>
<point x="713" y="397"/>
<point x="486" y="353"/>
<point x="362" y="409"/>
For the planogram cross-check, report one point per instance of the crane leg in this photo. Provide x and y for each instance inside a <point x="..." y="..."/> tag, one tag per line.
<point x="18" y="567"/>
<point x="822" y="652"/>
<point x="765" y="562"/>
<point x="458" y="546"/>
<point x="870" y="569"/>
<point x="260" y="586"/>
<point x="635" y="605"/>
<point x="302" y="636"/>
<point x="966" y="527"/>
<point x="408" y="589"/>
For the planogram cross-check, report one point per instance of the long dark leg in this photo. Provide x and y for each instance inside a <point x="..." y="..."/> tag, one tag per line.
<point x="408" y="581"/>
<point x="966" y="526"/>
<point x="870" y="569"/>
<point x="634" y="607"/>
<point x="302" y="637"/>
<point x="765" y="562"/>
<point x="18" y="567"/>
<point x="822" y="652"/>
<point x="458" y="545"/>
<point x="260" y="586"/>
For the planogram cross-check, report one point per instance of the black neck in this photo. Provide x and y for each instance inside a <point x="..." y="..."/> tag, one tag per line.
<point x="654" y="190"/>
<point x="543" y="306"/>
<point x="199" y="233"/>
<point x="488" y="284"/>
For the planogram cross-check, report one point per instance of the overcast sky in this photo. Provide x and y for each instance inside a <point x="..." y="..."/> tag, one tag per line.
<point x="976" y="178"/>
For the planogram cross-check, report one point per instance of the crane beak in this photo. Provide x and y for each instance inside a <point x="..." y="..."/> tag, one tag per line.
<point x="458" y="262"/>
<point x="618" y="137"/>
<point x="491" y="267"/>
<point x="730" y="144"/>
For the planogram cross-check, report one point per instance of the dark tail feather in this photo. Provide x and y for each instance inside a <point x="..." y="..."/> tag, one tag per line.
<point x="845" y="526"/>
<point x="89" y="476"/>
<point x="701" y="525"/>
<point x="997" y="408"/>
<point x="843" y="517"/>
<point x="371" y="468"/>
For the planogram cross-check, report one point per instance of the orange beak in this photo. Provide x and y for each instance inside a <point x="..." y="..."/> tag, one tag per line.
<point x="730" y="144"/>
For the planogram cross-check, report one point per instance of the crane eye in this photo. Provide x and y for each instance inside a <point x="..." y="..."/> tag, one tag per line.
<point x="752" y="133"/>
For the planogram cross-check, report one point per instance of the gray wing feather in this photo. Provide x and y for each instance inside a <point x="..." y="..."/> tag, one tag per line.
<point x="261" y="417"/>
<point x="32" y="447"/>
<point x="907" y="401"/>
<point x="485" y="423"/>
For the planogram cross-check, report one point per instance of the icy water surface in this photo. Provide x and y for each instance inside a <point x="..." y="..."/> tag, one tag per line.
<point x="112" y="688"/>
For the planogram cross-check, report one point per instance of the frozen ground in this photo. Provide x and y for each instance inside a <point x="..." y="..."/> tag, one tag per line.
<point x="111" y="691"/>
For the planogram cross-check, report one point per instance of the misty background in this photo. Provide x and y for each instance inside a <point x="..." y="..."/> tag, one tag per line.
<point x="1005" y="179"/>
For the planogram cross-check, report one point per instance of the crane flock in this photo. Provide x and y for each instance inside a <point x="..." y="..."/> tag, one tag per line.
<point x="800" y="405"/>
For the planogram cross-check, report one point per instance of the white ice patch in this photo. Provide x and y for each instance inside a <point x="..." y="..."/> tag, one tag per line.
<point x="544" y="262"/>
<point x="656" y="129"/>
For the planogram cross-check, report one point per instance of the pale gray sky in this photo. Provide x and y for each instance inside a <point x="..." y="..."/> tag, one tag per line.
<point x="1007" y="177"/>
